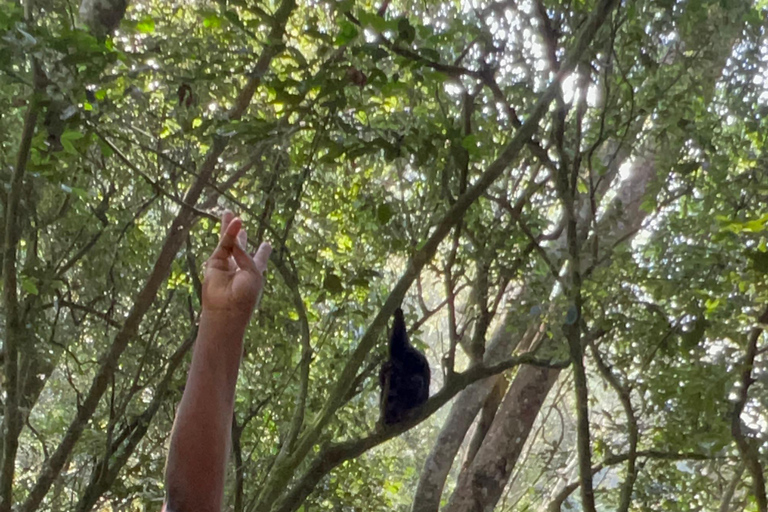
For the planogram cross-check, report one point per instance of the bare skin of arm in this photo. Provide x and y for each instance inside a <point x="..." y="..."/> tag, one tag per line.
<point x="200" y="440"/>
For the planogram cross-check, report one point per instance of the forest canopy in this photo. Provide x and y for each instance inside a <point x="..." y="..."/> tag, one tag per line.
<point x="569" y="199"/>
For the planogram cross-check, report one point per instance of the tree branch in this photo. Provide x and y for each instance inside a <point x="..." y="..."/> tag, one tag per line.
<point x="102" y="480"/>
<point x="567" y="490"/>
<point x="748" y="448"/>
<point x="332" y="455"/>
<point x="297" y="422"/>
<point x="282" y="473"/>
<point x="14" y="329"/>
<point x="626" y="403"/>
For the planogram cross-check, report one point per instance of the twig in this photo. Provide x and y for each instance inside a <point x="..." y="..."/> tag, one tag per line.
<point x="567" y="490"/>
<point x="290" y="276"/>
<point x="624" y="396"/>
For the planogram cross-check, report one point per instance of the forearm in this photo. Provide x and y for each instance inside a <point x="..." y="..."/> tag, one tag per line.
<point x="201" y="432"/>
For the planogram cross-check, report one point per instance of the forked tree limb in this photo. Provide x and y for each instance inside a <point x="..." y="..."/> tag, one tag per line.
<point x="563" y="494"/>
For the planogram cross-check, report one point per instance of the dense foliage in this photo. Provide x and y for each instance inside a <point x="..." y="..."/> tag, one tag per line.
<point x="582" y="186"/>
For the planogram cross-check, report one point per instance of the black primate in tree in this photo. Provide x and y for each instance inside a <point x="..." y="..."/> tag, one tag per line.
<point x="404" y="378"/>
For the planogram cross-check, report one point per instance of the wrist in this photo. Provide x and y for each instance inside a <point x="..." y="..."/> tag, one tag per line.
<point x="224" y="321"/>
<point x="219" y="348"/>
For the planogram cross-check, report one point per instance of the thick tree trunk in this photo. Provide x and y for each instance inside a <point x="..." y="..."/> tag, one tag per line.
<point x="487" y="414"/>
<point x="15" y="332"/>
<point x="481" y="485"/>
<point x="462" y="415"/>
<point x="480" y="488"/>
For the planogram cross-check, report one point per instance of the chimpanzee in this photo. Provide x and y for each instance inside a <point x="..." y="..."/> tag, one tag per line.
<point x="404" y="378"/>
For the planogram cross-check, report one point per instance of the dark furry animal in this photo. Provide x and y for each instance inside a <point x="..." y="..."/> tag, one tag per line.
<point x="404" y="378"/>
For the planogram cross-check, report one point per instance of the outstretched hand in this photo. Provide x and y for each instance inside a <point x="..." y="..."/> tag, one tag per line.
<point x="233" y="279"/>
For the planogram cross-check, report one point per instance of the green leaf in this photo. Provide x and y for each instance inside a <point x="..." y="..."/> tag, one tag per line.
<point x="212" y="21"/>
<point x="72" y="135"/>
<point x="67" y="138"/>
<point x="372" y="20"/>
<point x="693" y="337"/>
<point x="469" y="142"/>
<point x="429" y="53"/>
<point x="405" y="30"/>
<point x="146" y="25"/>
<point x="346" y="33"/>
<point x="106" y="151"/>
<point x="759" y="261"/>
<point x="28" y="285"/>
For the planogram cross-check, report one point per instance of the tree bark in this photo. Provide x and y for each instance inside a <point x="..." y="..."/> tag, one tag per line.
<point x="463" y="412"/>
<point x="528" y="390"/>
<point x="750" y="448"/>
<point x="481" y="487"/>
<point x="487" y="413"/>
<point x="14" y="330"/>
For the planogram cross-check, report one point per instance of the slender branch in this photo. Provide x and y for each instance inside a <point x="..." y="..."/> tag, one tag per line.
<point x="80" y="254"/>
<point x="274" y="46"/>
<point x="725" y="501"/>
<point x="748" y="448"/>
<point x="540" y="250"/>
<point x="332" y="455"/>
<point x="548" y="34"/>
<point x="626" y="403"/>
<point x="91" y="311"/>
<point x="102" y="480"/>
<point x="453" y="71"/>
<point x="567" y="490"/>
<point x="154" y="184"/>
<point x="14" y="329"/>
<point x="297" y="422"/>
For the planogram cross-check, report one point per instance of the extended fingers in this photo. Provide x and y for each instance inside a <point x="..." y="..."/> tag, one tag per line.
<point x="243" y="260"/>
<point x="229" y="237"/>
<point x="233" y="243"/>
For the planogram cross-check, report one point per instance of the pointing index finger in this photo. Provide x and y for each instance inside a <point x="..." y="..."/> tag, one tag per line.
<point x="228" y="239"/>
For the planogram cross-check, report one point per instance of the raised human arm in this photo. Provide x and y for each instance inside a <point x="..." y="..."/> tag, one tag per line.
<point x="200" y="439"/>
